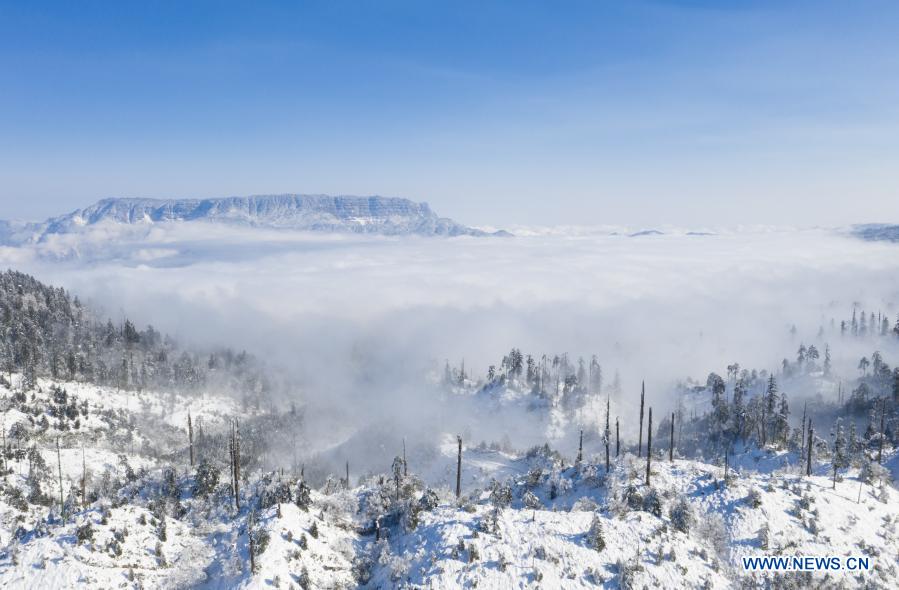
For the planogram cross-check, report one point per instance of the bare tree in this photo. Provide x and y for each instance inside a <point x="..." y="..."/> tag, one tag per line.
<point x="459" y="468"/>
<point x="640" y="440"/>
<point x="811" y="434"/>
<point x="190" y="438"/>
<point x="671" y="444"/>
<point x="649" y="446"/>
<point x="62" y="506"/>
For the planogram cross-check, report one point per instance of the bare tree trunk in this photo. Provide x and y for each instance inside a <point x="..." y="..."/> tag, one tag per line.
<point x="190" y="438"/>
<point x="811" y="434"/>
<point x="640" y="440"/>
<point x="62" y="505"/>
<point x="580" y="449"/>
<point x="347" y="475"/>
<point x="726" y="464"/>
<point x="883" y="410"/>
<point x="834" y="473"/>
<point x="231" y="456"/>
<point x="237" y="466"/>
<point x="459" y="469"/>
<point x="671" y="444"/>
<point x="649" y="446"/>
<point x="83" y="479"/>
<point x="235" y="463"/>
<point x="617" y="439"/>
<point x="405" y="465"/>
<point x="607" y="434"/>
<point x="802" y="444"/>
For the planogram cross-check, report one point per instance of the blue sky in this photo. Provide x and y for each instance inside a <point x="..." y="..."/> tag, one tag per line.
<point x="497" y="113"/>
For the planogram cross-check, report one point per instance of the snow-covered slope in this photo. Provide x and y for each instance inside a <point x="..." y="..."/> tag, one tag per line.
<point x="322" y="213"/>
<point x="531" y="520"/>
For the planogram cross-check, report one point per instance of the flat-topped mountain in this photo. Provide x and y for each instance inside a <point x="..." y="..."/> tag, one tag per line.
<point x="321" y="213"/>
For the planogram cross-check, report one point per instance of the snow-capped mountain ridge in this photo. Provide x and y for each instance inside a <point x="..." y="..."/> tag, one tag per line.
<point x="321" y="213"/>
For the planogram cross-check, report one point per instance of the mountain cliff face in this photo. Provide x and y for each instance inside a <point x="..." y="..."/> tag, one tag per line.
<point x="322" y="213"/>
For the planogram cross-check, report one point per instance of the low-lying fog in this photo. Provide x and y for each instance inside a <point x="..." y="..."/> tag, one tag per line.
<point x="360" y="321"/>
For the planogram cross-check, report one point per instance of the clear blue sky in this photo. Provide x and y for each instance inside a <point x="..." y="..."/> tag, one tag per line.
<point x="494" y="112"/>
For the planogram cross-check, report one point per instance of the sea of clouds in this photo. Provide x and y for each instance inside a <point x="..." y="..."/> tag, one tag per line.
<point x="361" y="321"/>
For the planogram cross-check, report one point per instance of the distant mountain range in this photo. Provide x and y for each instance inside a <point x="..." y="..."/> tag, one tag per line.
<point x="319" y="213"/>
<point x="877" y="232"/>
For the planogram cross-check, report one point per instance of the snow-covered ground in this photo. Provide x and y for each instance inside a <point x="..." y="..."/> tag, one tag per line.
<point x="524" y="520"/>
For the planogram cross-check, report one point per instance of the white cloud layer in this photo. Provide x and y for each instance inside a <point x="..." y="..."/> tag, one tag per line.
<point x="659" y="307"/>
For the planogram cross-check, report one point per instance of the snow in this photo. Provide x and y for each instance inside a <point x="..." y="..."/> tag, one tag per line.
<point x="539" y="538"/>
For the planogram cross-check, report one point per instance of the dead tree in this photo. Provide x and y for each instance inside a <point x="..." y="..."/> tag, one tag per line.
<point x="671" y="444"/>
<point x="617" y="439"/>
<point x="405" y="465"/>
<point x="835" y="467"/>
<point x="231" y="456"/>
<point x="235" y="462"/>
<point x="62" y="505"/>
<point x="459" y="469"/>
<point x="580" y="449"/>
<point x="726" y="464"/>
<point x="190" y="438"/>
<point x="83" y="479"/>
<point x="649" y="446"/>
<point x="883" y="410"/>
<point x="802" y="441"/>
<point x="251" y="544"/>
<point x="607" y="436"/>
<point x="347" y="475"/>
<point x="640" y="440"/>
<point x="811" y="434"/>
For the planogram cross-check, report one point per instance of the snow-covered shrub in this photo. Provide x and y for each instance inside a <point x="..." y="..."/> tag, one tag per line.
<point x="362" y="566"/>
<point x="712" y="529"/>
<point x="633" y="497"/>
<point x="584" y="504"/>
<point x="534" y="478"/>
<point x="545" y="455"/>
<point x="871" y="472"/>
<point x="304" y="581"/>
<point x="260" y="537"/>
<point x="473" y="553"/>
<point x="682" y="517"/>
<point x="429" y="500"/>
<point x="500" y="494"/>
<point x="273" y="492"/>
<point x="764" y="537"/>
<point x="313" y="530"/>
<point x="14" y="498"/>
<point x="85" y="532"/>
<point x="754" y="497"/>
<point x="595" y="538"/>
<point x="627" y="573"/>
<point x="652" y="503"/>
<point x="303" y="495"/>
<point x="206" y="479"/>
<point x="531" y="501"/>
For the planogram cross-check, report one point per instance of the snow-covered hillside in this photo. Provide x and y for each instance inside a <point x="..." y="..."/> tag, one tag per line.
<point x="534" y="520"/>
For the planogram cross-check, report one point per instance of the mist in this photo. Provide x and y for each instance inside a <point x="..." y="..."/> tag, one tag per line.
<point x="364" y="325"/>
